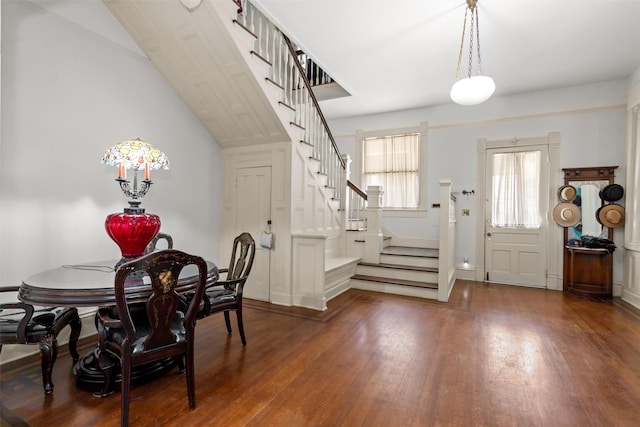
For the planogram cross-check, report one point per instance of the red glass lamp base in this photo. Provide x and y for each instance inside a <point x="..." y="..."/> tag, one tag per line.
<point x="132" y="230"/>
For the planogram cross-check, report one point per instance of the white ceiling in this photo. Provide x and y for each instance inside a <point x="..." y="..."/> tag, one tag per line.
<point x="400" y="54"/>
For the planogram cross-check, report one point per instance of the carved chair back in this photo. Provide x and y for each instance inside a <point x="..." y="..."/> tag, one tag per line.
<point x="244" y="250"/>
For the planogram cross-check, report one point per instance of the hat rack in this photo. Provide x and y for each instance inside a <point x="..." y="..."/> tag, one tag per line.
<point x="588" y="269"/>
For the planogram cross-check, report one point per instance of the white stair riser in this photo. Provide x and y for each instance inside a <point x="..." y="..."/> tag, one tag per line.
<point x="388" y="288"/>
<point x="394" y="273"/>
<point x="355" y="224"/>
<point x="409" y="260"/>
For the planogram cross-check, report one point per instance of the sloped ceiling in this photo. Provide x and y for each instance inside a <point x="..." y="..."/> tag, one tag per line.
<point x="197" y="54"/>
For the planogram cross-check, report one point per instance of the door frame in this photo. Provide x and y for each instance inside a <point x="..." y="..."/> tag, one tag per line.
<point x="278" y="156"/>
<point x="553" y="245"/>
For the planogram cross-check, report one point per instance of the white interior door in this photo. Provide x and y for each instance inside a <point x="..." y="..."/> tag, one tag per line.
<point x="253" y="196"/>
<point x="515" y="248"/>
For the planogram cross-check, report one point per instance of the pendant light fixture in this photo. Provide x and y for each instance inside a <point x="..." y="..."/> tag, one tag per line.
<point x="471" y="90"/>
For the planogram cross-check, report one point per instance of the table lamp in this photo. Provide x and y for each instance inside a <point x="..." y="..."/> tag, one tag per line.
<point x="133" y="229"/>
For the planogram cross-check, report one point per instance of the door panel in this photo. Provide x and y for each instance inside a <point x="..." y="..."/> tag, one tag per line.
<point x="516" y="255"/>
<point x="253" y="196"/>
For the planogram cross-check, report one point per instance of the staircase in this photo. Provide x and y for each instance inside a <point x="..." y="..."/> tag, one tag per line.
<point x="402" y="270"/>
<point x="241" y="77"/>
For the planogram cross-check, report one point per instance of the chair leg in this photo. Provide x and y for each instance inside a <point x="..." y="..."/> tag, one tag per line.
<point x="227" y="321"/>
<point x="48" y="354"/>
<point x="124" y="391"/>
<point x="241" y="326"/>
<point x="191" y="381"/>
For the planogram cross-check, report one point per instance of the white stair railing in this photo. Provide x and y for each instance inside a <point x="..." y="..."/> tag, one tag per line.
<point x="276" y="49"/>
<point x="356" y="206"/>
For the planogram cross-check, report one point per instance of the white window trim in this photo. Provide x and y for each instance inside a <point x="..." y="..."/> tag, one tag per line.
<point x="357" y="172"/>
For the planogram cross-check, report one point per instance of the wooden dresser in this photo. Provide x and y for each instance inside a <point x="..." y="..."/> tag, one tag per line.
<point x="588" y="271"/>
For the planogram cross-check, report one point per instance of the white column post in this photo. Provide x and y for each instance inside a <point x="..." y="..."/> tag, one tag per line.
<point x="631" y="262"/>
<point x="373" y="236"/>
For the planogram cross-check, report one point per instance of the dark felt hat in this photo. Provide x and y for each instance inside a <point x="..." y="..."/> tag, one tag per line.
<point x="612" y="193"/>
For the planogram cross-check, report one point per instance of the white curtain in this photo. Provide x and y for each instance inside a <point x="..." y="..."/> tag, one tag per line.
<point x="515" y="198"/>
<point x="393" y="163"/>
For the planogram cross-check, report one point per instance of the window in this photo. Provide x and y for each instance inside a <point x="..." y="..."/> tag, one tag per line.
<point x="393" y="162"/>
<point x="516" y="190"/>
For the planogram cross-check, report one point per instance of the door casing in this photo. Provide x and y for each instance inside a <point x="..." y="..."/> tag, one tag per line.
<point x="554" y="234"/>
<point x="515" y="255"/>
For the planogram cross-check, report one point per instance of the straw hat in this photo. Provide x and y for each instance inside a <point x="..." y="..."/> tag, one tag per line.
<point x="611" y="215"/>
<point x="567" y="193"/>
<point x="566" y="214"/>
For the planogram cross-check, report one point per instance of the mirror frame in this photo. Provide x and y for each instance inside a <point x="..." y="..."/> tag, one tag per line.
<point x="596" y="173"/>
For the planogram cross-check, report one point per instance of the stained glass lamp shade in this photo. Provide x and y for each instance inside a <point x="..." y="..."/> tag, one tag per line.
<point x="135" y="154"/>
<point x="133" y="229"/>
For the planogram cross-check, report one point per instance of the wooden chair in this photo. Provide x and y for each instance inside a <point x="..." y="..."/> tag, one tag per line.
<point x="226" y="295"/>
<point x="22" y="323"/>
<point x="164" y="332"/>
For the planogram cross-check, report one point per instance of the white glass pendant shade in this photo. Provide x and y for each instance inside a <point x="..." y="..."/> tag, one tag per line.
<point x="472" y="90"/>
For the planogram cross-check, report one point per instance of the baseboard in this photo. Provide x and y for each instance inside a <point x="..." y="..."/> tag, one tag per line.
<point x="631" y="298"/>
<point x="467" y="274"/>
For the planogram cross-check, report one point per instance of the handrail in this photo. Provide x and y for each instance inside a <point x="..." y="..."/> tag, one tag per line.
<point x="286" y="72"/>
<point x="356" y="189"/>
<point x="292" y="50"/>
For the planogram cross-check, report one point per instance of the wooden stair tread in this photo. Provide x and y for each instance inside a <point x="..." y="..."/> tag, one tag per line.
<point x="400" y="267"/>
<point x="409" y="251"/>
<point x="362" y="240"/>
<point x="395" y="281"/>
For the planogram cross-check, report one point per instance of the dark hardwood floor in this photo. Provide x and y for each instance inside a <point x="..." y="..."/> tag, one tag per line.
<point x="493" y="356"/>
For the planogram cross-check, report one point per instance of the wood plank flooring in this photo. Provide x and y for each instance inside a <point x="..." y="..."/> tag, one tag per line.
<point x="494" y="355"/>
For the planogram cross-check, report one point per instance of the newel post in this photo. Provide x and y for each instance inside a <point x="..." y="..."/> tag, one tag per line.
<point x="346" y="173"/>
<point x="373" y="236"/>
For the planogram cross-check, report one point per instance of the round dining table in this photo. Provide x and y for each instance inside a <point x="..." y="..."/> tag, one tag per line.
<point x="92" y="285"/>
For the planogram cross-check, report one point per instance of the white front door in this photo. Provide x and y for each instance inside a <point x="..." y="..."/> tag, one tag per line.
<point x="253" y="196"/>
<point x="516" y="215"/>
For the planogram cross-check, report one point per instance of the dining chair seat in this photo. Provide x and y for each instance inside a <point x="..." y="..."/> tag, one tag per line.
<point x="22" y="323"/>
<point x="142" y="331"/>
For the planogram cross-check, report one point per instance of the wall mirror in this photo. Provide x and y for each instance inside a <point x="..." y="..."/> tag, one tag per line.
<point x="587" y="183"/>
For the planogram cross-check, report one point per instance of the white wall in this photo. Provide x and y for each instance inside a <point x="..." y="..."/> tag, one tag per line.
<point x="591" y="121"/>
<point x="73" y="84"/>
